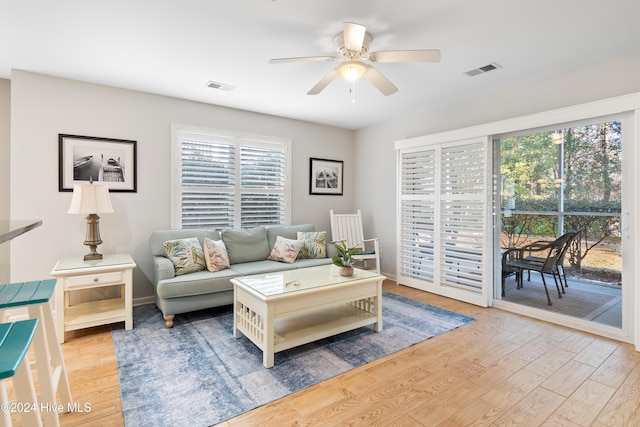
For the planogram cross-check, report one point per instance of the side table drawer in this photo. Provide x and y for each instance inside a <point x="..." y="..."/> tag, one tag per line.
<point x="97" y="279"/>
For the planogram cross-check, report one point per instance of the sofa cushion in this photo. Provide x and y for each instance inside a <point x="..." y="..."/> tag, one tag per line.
<point x="215" y="255"/>
<point x="285" y="250"/>
<point x="246" y="244"/>
<point x="314" y="244"/>
<point x="198" y="283"/>
<point x="286" y="231"/>
<point x="185" y="254"/>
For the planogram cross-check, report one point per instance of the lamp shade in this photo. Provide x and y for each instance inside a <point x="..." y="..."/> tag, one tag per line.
<point x="90" y="199"/>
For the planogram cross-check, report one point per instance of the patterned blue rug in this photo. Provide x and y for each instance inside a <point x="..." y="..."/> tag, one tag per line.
<point x="197" y="374"/>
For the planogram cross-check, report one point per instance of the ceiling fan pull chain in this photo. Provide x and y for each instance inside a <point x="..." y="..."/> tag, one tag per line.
<point x="353" y="92"/>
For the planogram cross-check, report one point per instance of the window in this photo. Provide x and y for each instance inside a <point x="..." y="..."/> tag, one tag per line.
<point x="227" y="180"/>
<point x="558" y="180"/>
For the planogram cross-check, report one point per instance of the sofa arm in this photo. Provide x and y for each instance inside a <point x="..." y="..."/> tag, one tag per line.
<point x="162" y="269"/>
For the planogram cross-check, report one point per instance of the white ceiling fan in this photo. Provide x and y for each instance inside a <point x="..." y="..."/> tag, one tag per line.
<point x="353" y="50"/>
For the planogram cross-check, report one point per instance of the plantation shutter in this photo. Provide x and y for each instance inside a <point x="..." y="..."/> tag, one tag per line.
<point x="228" y="182"/>
<point x="262" y="172"/>
<point x="208" y="182"/>
<point x="417" y="215"/>
<point x="462" y="216"/>
<point x="443" y="231"/>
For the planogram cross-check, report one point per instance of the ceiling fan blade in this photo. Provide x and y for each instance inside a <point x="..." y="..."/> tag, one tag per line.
<point x="305" y="59"/>
<point x="423" y="55"/>
<point x="328" y="78"/>
<point x="353" y="36"/>
<point x="379" y="81"/>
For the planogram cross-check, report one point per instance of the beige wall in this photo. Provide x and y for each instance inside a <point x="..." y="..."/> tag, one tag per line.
<point x="43" y="106"/>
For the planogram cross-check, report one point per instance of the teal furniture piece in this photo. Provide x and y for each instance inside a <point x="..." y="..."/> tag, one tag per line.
<point x="52" y="373"/>
<point x="15" y="340"/>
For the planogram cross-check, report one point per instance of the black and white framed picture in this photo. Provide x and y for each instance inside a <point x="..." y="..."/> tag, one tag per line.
<point x="325" y="176"/>
<point x="105" y="160"/>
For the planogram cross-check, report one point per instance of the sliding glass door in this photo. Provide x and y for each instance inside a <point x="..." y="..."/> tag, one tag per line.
<point x="555" y="181"/>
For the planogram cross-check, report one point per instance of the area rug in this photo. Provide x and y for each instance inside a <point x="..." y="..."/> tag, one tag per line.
<point x="197" y="374"/>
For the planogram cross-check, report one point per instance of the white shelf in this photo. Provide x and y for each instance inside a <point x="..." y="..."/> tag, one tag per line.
<point x="315" y="325"/>
<point x="94" y="313"/>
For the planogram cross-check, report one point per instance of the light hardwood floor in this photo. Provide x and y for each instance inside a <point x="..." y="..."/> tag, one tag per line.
<point x="502" y="369"/>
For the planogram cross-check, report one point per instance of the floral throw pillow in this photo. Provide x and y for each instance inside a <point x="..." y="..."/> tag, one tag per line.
<point x="285" y="250"/>
<point x="314" y="244"/>
<point x="215" y="255"/>
<point x="185" y="254"/>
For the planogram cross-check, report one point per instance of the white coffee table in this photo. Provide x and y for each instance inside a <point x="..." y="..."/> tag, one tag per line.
<point x="278" y="311"/>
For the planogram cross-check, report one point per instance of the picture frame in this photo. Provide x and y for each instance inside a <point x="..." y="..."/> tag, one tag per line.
<point x="105" y="160"/>
<point x="326" y="176"/>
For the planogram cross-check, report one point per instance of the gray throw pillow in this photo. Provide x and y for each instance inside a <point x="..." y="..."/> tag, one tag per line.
<point x="246" y="244"/>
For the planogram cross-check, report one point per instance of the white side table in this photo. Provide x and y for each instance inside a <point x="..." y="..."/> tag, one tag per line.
<point x="74" y="274"/>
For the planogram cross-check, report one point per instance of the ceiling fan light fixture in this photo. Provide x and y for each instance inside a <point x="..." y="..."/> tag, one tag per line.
<point x="352" y="70"/>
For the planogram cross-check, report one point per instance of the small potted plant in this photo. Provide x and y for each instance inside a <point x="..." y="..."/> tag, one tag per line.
<point x="345" y="259"/>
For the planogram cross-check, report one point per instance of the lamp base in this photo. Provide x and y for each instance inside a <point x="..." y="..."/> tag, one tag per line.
<point x="93" y="237"/>
<point x="92" y="255"/>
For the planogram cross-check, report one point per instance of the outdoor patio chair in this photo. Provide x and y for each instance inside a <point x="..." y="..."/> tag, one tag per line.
<point x="560" y="264"/>
<point x="508" y="255"/>
<point x="549" y="265"/>
<point x="348" y="227"/>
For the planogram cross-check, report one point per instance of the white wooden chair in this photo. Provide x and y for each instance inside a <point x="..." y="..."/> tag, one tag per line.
<point x="348" y="227"/>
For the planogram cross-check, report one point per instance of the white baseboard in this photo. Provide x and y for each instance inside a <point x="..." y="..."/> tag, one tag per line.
<point x="144" y="300"/>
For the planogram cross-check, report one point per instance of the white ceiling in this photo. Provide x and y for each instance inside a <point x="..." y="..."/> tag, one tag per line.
<point x="174" y="47"/>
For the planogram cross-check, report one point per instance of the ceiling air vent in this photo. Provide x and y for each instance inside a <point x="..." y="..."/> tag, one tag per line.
<point x="482" y="70"/>
<point x="220" y="86"/>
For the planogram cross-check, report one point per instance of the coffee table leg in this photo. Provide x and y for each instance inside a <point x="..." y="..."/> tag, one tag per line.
<point x="269" y="338"/>
<point x="236" y="332"/>
<point x="378" y="308"/>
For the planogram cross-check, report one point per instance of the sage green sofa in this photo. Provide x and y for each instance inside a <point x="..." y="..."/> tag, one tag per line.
<point x="248" y="250"/>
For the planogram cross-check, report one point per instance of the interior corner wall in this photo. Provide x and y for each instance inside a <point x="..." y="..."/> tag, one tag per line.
<point x="375" y="156"/>
<point x="44" y="106"/>
<point x="5" y="119"/>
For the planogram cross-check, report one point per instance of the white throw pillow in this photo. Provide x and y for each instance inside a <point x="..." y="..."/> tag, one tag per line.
<point x="285" y="250"/>
<point x="215" y="255"/>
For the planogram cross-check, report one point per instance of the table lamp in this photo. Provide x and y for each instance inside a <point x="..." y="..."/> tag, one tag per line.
<point x="91" y="199"/>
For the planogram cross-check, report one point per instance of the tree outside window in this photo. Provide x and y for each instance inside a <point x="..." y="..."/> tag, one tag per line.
<point x="562" y="180"/>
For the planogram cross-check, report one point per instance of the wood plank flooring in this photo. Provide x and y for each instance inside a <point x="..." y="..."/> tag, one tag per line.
<point x="500" y="370"/>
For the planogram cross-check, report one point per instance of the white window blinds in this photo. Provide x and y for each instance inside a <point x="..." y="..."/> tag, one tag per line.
<point x="462" y="215"/>
<point x="417" y="214"/>
<point x="227" y="181"/>
<point x="442" y="213"/>
<point x="262" y="171"/>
